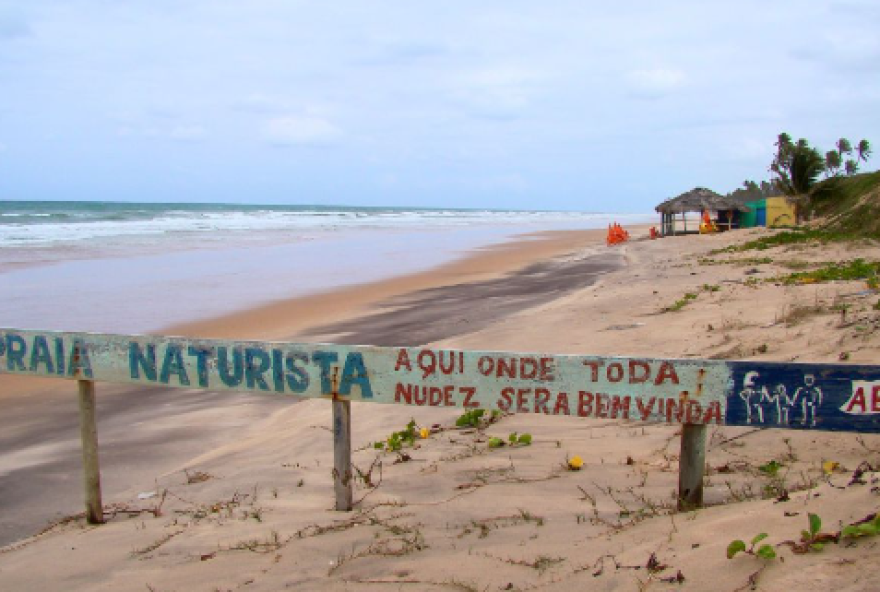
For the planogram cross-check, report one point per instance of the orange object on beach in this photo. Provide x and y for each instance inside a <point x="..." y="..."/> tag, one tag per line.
<point x="616" y="234"/>
<point x="707" y="225"/>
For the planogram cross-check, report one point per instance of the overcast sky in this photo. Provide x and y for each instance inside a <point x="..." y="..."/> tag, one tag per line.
<point x="574" y="105"/>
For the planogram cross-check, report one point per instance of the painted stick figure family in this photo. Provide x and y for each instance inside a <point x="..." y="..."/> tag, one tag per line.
<point x="777" y="406"/>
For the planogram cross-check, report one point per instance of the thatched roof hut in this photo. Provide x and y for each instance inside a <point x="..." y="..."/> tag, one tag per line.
<point x="699" y="199"/>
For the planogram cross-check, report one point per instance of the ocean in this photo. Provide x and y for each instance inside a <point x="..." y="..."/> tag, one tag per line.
<point x="138" y="267"/>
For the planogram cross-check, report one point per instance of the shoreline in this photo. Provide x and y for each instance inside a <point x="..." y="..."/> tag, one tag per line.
<point x="138" y="288"/>
<point x="300" y="315"/>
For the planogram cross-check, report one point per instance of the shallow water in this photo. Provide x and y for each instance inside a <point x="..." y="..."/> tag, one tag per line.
<point x="135" y="283"/>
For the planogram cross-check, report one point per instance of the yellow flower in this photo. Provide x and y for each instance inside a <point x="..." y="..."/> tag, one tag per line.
<point x="575" y="463"/>
<point x="424" y="433"/>
<point x="829" y="466"/>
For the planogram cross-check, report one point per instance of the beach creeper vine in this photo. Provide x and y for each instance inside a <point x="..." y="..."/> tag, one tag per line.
<point x="513" y="439"/>
<point x="812" y="540"/>
<point x="396" y="441"/>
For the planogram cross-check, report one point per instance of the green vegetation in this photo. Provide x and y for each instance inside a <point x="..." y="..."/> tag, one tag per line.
<point x="765" y="551"/>
<point x="812" y="539"/>
<point x="737" y="261"/>
<point x="476" y="418"/>
<point x="862" y="529"/>
<point x="797" y="166"/>
<point x="681" y="302"/>
<point x="522" y="439"/>
<point x="395" y="442"/>
<point x="751" y="191"/>
<point x="771" y="468"/>
<point x="857" y="269"/>
<point x="513" y="439"/>
<point x="848" y="202"/>
<point x="794" y="236"/>
<point x="849" y="205"/>
<point x="470" y="419"/>
<point x="495" y="442"/>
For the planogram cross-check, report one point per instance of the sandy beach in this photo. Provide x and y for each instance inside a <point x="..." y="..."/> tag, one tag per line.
<point x="213" y="492"/>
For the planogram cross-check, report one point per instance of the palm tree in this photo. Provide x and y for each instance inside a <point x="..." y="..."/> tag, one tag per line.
<point x="852" y="167"/>
<point x="832" y="162"/>
<point x="843" y="147"/>
<point x="797" y="168"/>
<point x="863" y="150"/>
<point x="783" y="141"/>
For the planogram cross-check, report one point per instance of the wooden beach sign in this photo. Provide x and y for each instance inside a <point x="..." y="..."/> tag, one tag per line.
<point x="690" y="392"/>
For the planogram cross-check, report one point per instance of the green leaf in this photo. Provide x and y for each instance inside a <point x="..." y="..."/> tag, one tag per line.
<point x="771" y="468"/>
<point x="495" y="442"/>
<point x="758" y="538"/>
<point x="525" y="439"/>
<point x="868" y="529"/>
<point x="512" y="438"/>
<point x="735" y="547"/>
<point x="851" y="531"/>
<point x="817" y="546"/>
<point x="815" y="524"/>
<point x="767" y="552"/>
<point x="805" y="536"/>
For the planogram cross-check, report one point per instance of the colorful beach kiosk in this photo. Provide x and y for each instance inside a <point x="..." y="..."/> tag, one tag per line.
<point x="770" y="212"/>
<point x="724" y="212"/>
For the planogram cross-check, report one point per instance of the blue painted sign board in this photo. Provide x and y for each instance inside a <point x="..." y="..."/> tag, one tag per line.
<point x="767" y="394"/>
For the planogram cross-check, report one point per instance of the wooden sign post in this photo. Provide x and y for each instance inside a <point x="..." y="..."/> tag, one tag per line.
<point x="91" y="466"/>
<point x="688" y="393"/>
<point x="342" y="478"/>
<point x="691" y="466"/>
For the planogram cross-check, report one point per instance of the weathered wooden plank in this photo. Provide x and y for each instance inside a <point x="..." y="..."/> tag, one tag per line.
<point x="342" y="477"/>
<point x="796" y="396"/>
<point x="91" y="466"/>
<point x="691" y="466"/>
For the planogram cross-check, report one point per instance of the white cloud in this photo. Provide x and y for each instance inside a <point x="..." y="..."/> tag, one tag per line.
<point x="654" y="83"/>
<point x="295" y="130"/>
